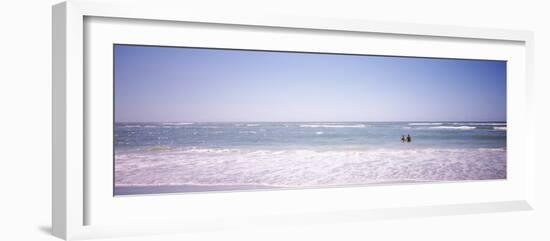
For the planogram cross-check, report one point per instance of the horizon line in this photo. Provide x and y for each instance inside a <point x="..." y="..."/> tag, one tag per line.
<point x="420" y="121"/>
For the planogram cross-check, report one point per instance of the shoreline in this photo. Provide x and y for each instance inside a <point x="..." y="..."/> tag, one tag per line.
<point x="129" y="190"/>
<point x="163" y="189"/>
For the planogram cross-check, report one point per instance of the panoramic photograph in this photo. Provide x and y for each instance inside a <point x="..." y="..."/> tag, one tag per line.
<point x="192" y="120"/>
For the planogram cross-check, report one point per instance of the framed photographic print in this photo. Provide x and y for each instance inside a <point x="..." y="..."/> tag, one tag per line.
<point x="203" y="119"/>
<point x="177" y="121"/>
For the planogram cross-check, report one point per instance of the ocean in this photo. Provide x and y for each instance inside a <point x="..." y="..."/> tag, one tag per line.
<point x="227" y="156"/>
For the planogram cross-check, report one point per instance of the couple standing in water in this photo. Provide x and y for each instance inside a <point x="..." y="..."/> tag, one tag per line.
<point x="406" y="139"/>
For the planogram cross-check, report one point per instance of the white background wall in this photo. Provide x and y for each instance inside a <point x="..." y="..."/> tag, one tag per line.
<point x="25" y="119"/>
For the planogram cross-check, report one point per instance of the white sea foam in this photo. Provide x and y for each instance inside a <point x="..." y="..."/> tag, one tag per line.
<point x="454" y="127"/>
<point x="333" y="126"/>
<point x="425" y="124"/>
<point x="178" y="123"/>
<point x="299" y="168"/>
<point x="500" y="128"/>
<point x="132" y="126"/>
<point x="252" y="125"/>
<point x="319" y="133"/>
<point x="480" y="123"/>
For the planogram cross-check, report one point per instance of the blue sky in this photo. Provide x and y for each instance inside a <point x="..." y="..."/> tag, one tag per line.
<point x="194" y="85"/>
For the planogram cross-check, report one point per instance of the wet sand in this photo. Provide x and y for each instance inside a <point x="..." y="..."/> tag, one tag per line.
<point x="137" y="190"/>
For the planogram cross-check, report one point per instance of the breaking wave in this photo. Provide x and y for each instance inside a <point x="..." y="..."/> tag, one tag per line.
<point x="333" y="126"/>
<point x="454" y="127"/>
<point x="481" y="123"/>
<point x="425" y="124"/>
<point x="178" y="123"/>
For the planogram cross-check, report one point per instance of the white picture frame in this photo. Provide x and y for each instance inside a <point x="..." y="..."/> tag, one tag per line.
<point x="83" y="208"/>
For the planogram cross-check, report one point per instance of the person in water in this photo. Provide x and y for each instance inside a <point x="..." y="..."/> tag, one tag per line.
<point x="408" y="138"/>
<point x="402" y="138"/>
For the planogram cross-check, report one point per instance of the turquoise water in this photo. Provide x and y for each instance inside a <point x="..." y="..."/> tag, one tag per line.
<point x="300" y="154"/>
<point x="309" y="135"/>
